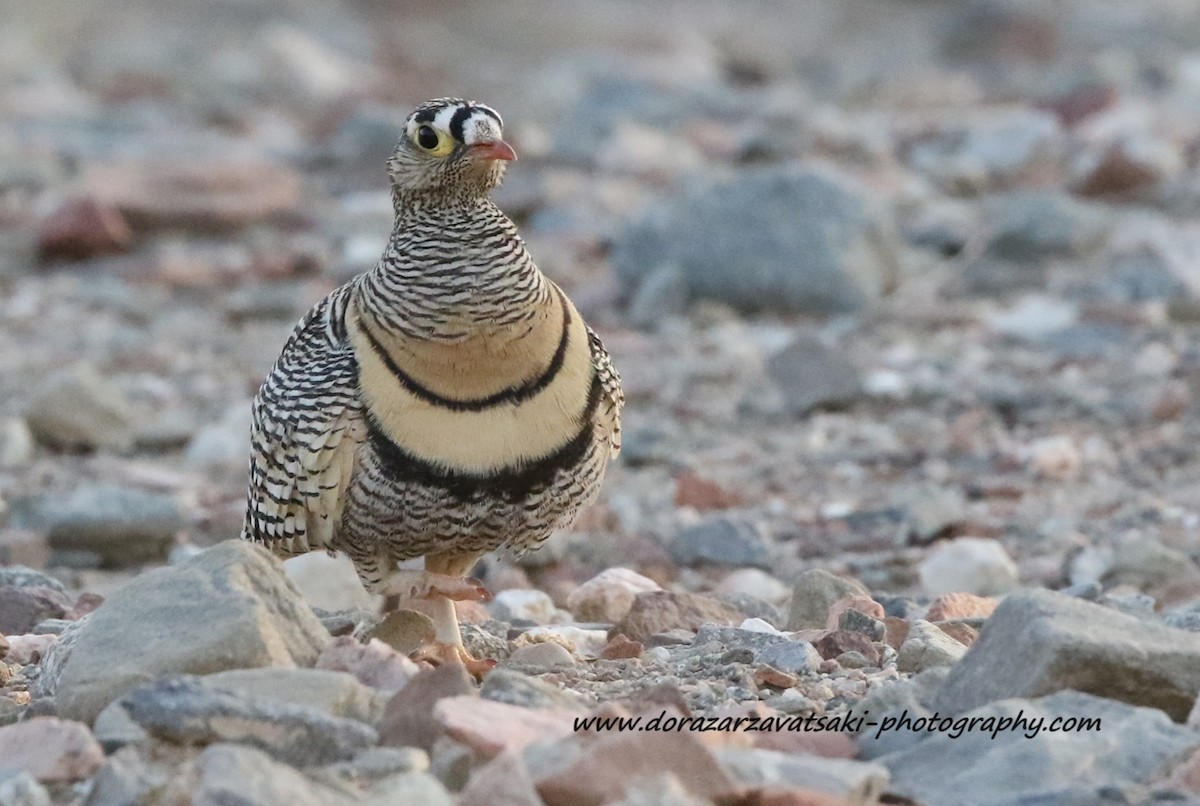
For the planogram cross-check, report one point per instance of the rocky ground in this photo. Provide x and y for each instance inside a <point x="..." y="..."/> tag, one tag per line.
<point x="904" y="296"/>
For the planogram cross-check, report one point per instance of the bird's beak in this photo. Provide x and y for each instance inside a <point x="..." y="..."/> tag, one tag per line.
<point x="493" y="150"/>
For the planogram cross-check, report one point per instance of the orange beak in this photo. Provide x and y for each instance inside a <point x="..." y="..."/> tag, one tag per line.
<point x="495" y="150"/>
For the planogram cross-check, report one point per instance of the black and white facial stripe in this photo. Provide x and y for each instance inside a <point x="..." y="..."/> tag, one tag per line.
<point x="467" y="122"/>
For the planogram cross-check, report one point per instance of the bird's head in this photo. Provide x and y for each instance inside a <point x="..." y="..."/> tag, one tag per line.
<point x="450" y="147"/>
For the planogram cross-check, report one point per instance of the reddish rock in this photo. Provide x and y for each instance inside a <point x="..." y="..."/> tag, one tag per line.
<point x="619" y="648"/>
<point x="374" y="664"/>
<point x="1119" y="174"/>
<point x="29" y="648"/>
<point x="702" y="494"/>
<point x="965" y="634"/>
<point x="203" y="194"/>
<point x="839" y="641"/>
<point x="503" y="780"/>
<point x="22" y="609"/>
<point x="1079" y="103"/>
<point x="960" y="605"/>
<point x="83" y="228"/>
<point x="490" y="728"/>
<point x="769" y="676"/>
<point x="608" y="596"/>
<point x="863" y="604"/>
<point x="897" y="631"/>
<point x="659" y="611"/>
<point x="86" y="603"/>
<point x="617" y="761"/>
<point x="52" y="750"/>
<point x="408" y="720"/>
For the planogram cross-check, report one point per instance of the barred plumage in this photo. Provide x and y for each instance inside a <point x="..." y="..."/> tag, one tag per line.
<point x="448" y="402"/>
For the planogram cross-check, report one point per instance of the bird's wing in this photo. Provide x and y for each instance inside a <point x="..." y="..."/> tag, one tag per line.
<point x="308" y="424"/>
<point x="612" y="399"/>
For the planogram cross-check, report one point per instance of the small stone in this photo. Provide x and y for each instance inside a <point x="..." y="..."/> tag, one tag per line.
<point x="1068" y="643"/>
<point x="19" y="788"/>
<point x="16" y="442"/>
<point x="546" y="655"/>
<point x="856" y="621"/>
<point x="721" y="541"/>
<point x="971" y="564"/>
<point x="1055" y="458"/>
<point x="620" y="648"/>
<point x="814" y="592"/>
<point x="812" y="376"/>
<point x="965" y="634"/>
<point x="503" y="780"/>
<point x="490" y="728"/>
<point x="768" y="676"/>
<point x="127" y="778"/>
<point x="29" y="648"/>
<point x="409" y="720"/>
<point x="51" y="750"/>
<point x="836" y="643"/>
<point x="514" y="688"/>
<point x="22" y="609"/>
<point x="792" y="657"/>
<point x="405" y="631"/>
<point x="120" y="526"/>
<point x="228" y="607"/>
<point x="580" y="642"/>
<point x="337" y="694"/>
<point x="926" y="647"/>
<point x="896" y="631"/>
<point x="864" y="605"/>
<point x="373" y="664"/>
<point x="185" y="711"/>
<point x="702" y="494"/>
<point x="754" y="582"/>
<point x="524" y="604"/>
<point x="19" y="576"/>
<point x="608" y="596"/>
<point x="83" y="228"/>
<point x="79" y="407"/>
<point x="951" y="606"/>
<point x="659" y="611"/>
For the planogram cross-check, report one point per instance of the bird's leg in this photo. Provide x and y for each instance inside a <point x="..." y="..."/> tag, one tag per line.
<point x="433" y="592"/>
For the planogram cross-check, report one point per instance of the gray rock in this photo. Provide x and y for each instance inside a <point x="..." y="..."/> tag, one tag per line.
<point x="337" y="694"/>
<point x="230" y="607"/>
<point x="794" y="657"/>
<point x="377" y="763"/>
<point x="118" y="525"/>
<point x="726" y="541"/>
<point x="22" y="609"/>
<point x="185" y="711"/>
<point x="52" y="626"/>
<point x="514" y="688"/>
<point x="409" y="787"/>
<point x="734" y="638"/>
<point x="541" y="656"/>
<point x="927" y="647"/>
<point x="79" y="407"/>
<point x="115" y="729"/>
<point x="1132" y="746"/>
<point x="19" y="788"/>
<point x="408" y="720"/>
<point x="856" y="621"/>
<point x="811" y="376"/>
<point x="1038" y="642"/>
<point x="912" y="697"/>
<point x="20" y="576"/>
<point x="1185" y="617"/>
<point x="814" y="591"/>
<point x="126" y="779"/>
<point x="16" y="442"/>
<point x="237" y="774"/>
<point x="793" y="238"/>
<point x="661" y="293"/>
<point x="856" y="781"/>
<point x="1030" y="226"/>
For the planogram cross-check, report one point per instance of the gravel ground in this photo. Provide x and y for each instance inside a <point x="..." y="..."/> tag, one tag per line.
<point x="904" y="296"/>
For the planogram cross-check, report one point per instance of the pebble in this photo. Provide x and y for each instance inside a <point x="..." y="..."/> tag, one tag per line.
<point x="609" y="596"/>
<point x="839" y="642"/>
<point x="858" y="603"/>
<point x="546" y="655"/>
<point x="514" y="688"/>
<point x="409" y="720"/>
<point x="229" y="607"/>
<point x="1069" y="643"/>
<point x="118" y="526"/>
<point x="927" y="647"/>
<point x="753" y="582"/>
<point x="83" y="228"/>
<point x="968" y="564"/>
<point x="723" y="541"/>
<point x="51" y="750"/>
<point x="814" y="593"/>
<point x="183" y="710"/>
<point x="829" y="253"/>
<point x="79" y="407"/>
<point x="374" y="664"/>
<point x="16" y="442"/>
<point x="857" y="621"/>
<point x="793" y="657"/>
<point x="811" y="375"/>
<point x="1055" y="458"/>
<point x="524" y="604"/>
<point x="582" y="642"/>
<point x="22" y="609"/>
<point x="659" y="611"/>
<point x="405" y="631"/>
<point x="29" y="648"/>
<point x="960" y="606"/>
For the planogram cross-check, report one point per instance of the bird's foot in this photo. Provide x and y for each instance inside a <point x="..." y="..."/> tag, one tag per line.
<point x="415" y="584"/>
<point x="440" y="654"/>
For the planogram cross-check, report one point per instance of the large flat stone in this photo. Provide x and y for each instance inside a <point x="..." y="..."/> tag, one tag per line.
<point x="230" y="607"/>
<point x="1038" y="642"/>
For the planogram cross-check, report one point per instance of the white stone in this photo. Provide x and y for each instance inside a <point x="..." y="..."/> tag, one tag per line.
<point x="758" y="625"/>
<point x="1033" y="317"/>
<point x="608" y="596"/>
<point x="968" y="565"/>
<point x="525" y="604"/>
<point x="1055" y="458"/>
<point x="585" y="644"/>
<point x="754" y="582"/>
<point x="328" y="583"/>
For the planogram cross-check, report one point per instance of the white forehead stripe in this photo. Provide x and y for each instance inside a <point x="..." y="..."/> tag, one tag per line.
<point x="480" y="128"/>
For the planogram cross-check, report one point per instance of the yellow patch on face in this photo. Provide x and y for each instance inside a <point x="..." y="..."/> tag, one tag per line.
<point x="433" y="140"/>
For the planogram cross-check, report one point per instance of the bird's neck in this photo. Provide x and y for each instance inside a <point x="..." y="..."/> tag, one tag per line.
<point x="453" y="270"/>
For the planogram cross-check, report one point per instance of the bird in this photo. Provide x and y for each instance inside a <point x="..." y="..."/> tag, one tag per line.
<point x="446" y="403"/>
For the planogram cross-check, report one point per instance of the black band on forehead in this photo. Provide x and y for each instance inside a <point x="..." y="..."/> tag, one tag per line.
<point x="456" y="123"/>
<point x="425" y="115"/>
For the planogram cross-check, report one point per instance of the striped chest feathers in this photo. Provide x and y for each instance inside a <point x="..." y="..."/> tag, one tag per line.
<point x="501" y="398"/>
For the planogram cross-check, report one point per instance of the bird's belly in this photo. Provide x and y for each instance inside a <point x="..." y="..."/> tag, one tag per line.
<point x="413" y="512"/>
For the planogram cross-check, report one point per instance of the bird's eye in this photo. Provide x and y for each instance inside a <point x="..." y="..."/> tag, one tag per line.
<point x="427" y="138"/>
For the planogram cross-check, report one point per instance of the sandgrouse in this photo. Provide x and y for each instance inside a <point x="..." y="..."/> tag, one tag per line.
<point x="448" y="402"/>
